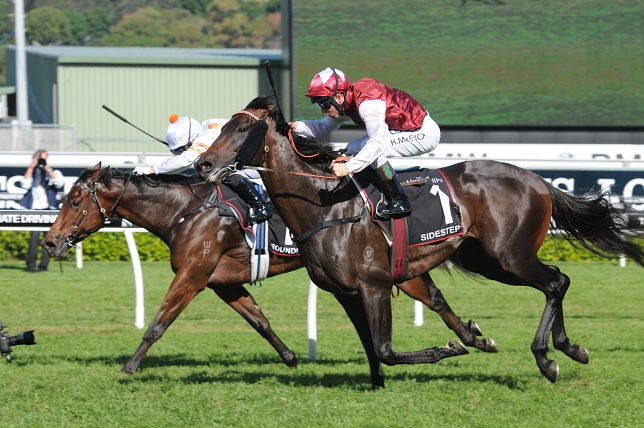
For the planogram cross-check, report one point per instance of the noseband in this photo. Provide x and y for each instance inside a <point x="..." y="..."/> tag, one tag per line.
<point x="216" y="177"/>
<point x="94" y="198"/>
<point x="238" y="165"/>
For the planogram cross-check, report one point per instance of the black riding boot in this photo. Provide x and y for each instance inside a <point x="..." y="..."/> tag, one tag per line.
<point x="244" y="188"/>
<point x="397" y="203"/>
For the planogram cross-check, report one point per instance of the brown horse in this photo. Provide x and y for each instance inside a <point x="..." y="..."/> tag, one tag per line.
<point x="158" y="204"/>
<point x="506" y="215"/>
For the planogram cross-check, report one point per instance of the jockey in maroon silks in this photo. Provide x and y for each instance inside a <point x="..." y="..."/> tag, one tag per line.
<point x="396" y="124"/>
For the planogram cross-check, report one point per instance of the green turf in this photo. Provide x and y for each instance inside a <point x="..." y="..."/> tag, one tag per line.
<point x="212" y="370"/>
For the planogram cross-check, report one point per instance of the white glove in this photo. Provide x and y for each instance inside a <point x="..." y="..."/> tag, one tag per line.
<point x="143" y="170"/>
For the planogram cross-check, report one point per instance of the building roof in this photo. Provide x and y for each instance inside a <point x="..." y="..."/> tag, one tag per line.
<point x="6" y="90"/>
<point x="152" y="56"/>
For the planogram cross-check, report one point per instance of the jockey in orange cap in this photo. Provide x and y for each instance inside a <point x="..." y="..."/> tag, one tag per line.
<point x="187" y="140"/>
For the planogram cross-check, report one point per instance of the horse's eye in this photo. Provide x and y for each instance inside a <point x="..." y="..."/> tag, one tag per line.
<point x="75" y="204"/>
<point x="242" y="128"/>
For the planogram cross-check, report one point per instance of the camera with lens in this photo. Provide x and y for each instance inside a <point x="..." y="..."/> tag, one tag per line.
<point x="41" y="163"/>
<point x="6" y="341"/>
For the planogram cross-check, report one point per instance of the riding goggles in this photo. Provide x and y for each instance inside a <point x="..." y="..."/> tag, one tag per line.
<point x="324" y="103"/>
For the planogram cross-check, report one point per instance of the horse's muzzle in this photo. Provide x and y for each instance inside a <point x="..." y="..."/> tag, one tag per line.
<point x="54" y="250"/>
<point x="206" y="170"/>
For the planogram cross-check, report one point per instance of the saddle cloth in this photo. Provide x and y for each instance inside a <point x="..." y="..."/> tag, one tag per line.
<point x="435" y="216"/>
<point x="279" y="236"/>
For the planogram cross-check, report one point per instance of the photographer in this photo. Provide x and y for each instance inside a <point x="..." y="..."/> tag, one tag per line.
<point x="43" y="182"/>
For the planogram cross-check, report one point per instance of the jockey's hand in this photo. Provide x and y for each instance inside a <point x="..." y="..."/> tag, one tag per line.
<point x="339" y="169"/>
<point x="143" y="170"/>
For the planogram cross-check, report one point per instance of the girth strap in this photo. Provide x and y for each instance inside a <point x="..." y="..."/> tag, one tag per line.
<point x="325" y="224"/>
<point x="399" y="256"/>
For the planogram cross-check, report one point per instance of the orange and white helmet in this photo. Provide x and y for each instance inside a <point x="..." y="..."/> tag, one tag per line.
<point x="327" y="83"/>
<point x="181" y="131"/>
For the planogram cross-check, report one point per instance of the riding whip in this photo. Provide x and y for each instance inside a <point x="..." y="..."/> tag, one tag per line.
<point x="130" y="123"/>
<point x="267" y="64"/>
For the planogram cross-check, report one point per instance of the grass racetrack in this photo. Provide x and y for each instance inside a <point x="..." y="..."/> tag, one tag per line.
<point x="212" y="370"/>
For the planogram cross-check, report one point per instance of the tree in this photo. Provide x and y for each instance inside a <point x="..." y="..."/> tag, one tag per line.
<point x="196" y="7"/>
<point x="48" y="25"/>
<point x="78" y="26"/>
<point x="145" y="27"/>
<point x="99" y="21"/>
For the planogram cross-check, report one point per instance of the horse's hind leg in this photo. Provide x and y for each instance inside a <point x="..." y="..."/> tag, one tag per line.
<point x="243" y="302"/>
<point x="560" y="339"/>
<point x="528" y="270"/>
<point x="424" y="290"/>
<point x="554" y="285"/>
<point x="180" y="293"/>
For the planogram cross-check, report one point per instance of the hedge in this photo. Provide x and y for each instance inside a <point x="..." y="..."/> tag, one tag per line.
<point x="97" y="247"/>
<point x="112" y="247"/>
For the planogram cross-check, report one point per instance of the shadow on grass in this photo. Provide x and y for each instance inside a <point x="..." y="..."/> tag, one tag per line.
<point x="15" y="267"/>
<point x="335" y="380"/>
<point x="221" y="369"/>
<point x="254" y="369"/>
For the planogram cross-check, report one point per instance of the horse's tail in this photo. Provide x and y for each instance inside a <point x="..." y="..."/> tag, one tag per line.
<point x="592" y="221"/>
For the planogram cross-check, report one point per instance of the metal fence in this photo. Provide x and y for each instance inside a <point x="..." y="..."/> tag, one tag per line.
<point x="59" y="138"/>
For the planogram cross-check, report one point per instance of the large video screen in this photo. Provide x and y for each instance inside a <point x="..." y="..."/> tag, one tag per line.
<point x="574" y="63"/>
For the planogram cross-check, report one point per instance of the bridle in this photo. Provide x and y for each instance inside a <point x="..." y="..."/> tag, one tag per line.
<point x="104" y="217"/>
<point x="290" y="135"/>
<point x="237" y="167"/>
<point x="325" y="223"/>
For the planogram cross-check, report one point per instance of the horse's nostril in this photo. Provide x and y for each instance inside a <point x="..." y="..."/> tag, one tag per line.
<point x="205" y="166"/>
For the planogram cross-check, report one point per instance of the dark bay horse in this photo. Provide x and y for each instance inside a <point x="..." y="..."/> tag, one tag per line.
<point x="157" y="203"/>
<point x="506" y="215"/>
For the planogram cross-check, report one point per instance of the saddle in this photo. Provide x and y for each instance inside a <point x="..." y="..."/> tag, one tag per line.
<point x="271" y="236"/>
<point x="435" y="216"/>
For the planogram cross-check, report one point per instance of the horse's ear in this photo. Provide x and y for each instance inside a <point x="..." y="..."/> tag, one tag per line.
<point x="97" y="166"/>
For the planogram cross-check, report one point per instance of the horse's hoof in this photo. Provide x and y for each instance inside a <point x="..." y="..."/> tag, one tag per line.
<point x="551" y="371"/>
<point x="490" y="345"/>
<point x="474" y="328"/>
<point x="582" y="355"/>
<point x="292" y="363"/>
<point x="457" y="347"/>
<point x="127" y="370"/>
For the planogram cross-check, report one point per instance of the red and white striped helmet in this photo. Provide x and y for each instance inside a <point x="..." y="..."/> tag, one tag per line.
<point x="327" y="83"/>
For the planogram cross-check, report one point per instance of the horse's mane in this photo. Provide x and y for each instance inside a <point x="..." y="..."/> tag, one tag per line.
<point x="108" y="174"/>
<point x="306" y="146"/>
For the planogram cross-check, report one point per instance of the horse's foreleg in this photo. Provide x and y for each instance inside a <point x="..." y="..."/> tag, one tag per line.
<point x="180" y="293"/>
<point x="377" y="304"/>
<point x="424" y="290"/>
<point x="243" y="302"/>
<point x="355" y="311"/>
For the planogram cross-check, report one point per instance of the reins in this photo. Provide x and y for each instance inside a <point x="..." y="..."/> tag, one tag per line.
<point x="325" y="223"/>
<point x="293" y="146"/>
